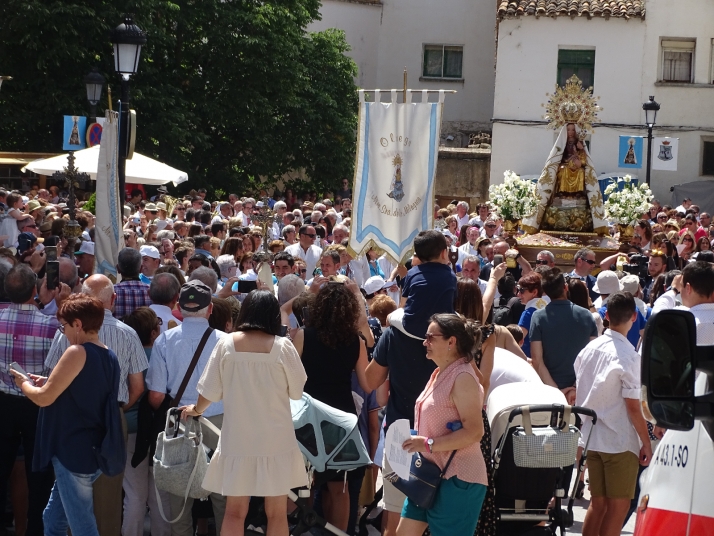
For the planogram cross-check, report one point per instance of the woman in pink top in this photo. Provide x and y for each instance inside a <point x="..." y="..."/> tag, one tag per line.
<point x="453" y="394"/>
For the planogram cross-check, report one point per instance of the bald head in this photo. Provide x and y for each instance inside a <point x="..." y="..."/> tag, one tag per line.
<point x="100" y="287"/>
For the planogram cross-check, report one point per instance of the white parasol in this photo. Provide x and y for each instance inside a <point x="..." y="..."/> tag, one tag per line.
<point x="139" y="170"/>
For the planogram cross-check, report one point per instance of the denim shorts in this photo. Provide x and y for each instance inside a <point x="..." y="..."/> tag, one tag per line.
<point x="455" y="511"/>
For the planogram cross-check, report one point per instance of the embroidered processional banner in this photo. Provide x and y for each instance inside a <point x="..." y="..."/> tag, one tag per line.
<point x="397" y="152"/>
<point x="109" y="236"/>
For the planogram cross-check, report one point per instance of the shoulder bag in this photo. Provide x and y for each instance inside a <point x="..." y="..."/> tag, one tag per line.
<point x="424" y="480"/>
<point x="152" y="422"/>
<point x="180" y="461"/>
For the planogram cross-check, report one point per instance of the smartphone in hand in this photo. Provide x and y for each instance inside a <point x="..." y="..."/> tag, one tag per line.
<point x="17" y="368"/>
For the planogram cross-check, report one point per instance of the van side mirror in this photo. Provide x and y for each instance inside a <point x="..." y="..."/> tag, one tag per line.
<point x="670" y="359"/>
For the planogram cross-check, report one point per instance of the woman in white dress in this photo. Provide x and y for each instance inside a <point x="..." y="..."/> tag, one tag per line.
<point x="256" y="373"/>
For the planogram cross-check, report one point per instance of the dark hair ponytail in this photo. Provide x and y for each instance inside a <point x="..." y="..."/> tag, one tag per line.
<point x="468" y="333"/>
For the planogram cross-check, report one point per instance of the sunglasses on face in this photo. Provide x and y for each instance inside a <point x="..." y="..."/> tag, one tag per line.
<point x="662" y="217"/>
<point x="431" y="336"/>
<point x="490" y="227"/>
<point x="541" y="261"/>
<point x="310" y="235"/>
<point x="589" y="261"/>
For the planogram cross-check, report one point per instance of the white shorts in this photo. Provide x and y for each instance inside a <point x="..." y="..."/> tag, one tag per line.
<point x="392" y="498"/>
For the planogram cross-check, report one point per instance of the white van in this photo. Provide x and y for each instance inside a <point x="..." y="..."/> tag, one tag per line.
<point x="677" y="489"/>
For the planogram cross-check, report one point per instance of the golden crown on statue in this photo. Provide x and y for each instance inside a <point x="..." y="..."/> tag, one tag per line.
<point x="572" y="104"/>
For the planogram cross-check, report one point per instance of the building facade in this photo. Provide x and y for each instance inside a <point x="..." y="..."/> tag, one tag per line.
<point x="626" y="53"/>
<point x="448" y="44"/>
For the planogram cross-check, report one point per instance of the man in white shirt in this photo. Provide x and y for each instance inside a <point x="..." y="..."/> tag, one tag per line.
<point x="305" y="249"/>
<point x="462" y="213"/>
<point x="670" y="299"/>
<point x="469" y="248"/>
<point x="698" y="296"/>
<point x="483" y="212"/>
<point x="247" y="211"/>
<point x="470" y="269"/>
<point x="607" y="374"/>
<point x="164" y="293"/>
<point x="684" y="206"/>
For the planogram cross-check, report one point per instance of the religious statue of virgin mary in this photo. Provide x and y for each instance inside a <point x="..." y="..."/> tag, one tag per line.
<point x="568" y="191"/>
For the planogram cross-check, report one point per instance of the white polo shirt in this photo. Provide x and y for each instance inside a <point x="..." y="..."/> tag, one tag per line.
<point x="311" y="256"/>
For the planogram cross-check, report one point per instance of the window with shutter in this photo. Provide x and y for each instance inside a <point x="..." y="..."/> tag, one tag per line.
<point x="576" y="62"/>
<point x="677" y="60"/>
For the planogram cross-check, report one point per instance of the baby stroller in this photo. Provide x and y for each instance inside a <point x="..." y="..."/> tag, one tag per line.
<point x="328" y="439"/>
<point x="533" y="457"/>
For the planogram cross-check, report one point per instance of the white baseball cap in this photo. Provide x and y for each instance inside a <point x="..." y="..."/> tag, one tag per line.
<point x="149" y="251"/>
<point x="630" y="283"/>
<point x="375" y="284"/>
<point x="85" y="248"/>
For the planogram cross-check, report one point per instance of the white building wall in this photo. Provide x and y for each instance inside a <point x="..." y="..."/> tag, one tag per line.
<point x="386" y="38"/>
<point x="527" y="69"/>
<point x="627" y="59"/>
<point x="361" y="23"/>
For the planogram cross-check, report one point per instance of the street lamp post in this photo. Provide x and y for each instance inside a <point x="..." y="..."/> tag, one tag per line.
<point x="128" y="39"/>
<point x="651" y="107"/>
<point x="95" y="84"/>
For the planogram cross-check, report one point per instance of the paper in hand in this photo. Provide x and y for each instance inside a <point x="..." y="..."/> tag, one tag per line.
<point x="399" y="459"/>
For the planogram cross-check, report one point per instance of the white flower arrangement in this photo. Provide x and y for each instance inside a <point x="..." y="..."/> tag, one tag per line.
<point x="515" y="198"/>
<point x="626" y="206"/>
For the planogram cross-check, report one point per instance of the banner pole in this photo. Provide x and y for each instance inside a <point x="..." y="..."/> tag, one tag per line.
<point x="405" y="85"/>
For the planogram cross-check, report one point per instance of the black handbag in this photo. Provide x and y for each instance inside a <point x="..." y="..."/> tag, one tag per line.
<point x="424" y="480"/>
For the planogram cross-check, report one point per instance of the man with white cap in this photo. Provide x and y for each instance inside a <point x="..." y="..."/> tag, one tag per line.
<point x="150" y="261"/>
<point x="607" y="283"/>
<point x="374" y="286"/>
<point x="85" y="259"/>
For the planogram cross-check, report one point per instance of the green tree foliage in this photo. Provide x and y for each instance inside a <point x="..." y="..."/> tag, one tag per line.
<point x="227" y="90"/>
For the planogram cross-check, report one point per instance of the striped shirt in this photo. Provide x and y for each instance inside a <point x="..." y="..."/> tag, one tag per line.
<point x="131" y="294"/>
<point x="118" y="337"/>
<point x="25" y="337"/>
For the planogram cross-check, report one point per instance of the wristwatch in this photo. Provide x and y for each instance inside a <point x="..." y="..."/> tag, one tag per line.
<point x="430" y="444"/>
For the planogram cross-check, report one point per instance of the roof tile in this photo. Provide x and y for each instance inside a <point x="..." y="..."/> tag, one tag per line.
<point x="571" y="8"/>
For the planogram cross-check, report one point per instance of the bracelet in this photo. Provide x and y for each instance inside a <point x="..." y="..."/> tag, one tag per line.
<point x="195" y="408"/>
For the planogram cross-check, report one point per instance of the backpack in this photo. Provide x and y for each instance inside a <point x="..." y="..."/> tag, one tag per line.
<point x="502" y="311"/>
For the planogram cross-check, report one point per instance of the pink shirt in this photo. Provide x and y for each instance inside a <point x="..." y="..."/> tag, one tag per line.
<point x="434" y="409"/>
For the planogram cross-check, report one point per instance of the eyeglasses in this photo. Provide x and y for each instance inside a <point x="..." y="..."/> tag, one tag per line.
<point x="181" y="208"/>
<point x="519" y="290"/>
<point x="62" y="327"/>
<point x="311" y="235"/>
<point x="541" y="261"/>
<point x="303" y="270"/>
<point x="661" y="217"/>
<point x="490" y="227"/>
<point x="431" y="336"/>
<point x="589" y="261"/>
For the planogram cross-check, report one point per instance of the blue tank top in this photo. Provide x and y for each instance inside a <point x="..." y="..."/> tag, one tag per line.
<point x="73" y="425"/>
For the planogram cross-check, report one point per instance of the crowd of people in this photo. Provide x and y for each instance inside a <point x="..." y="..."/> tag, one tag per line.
<point x="426" y="341"/>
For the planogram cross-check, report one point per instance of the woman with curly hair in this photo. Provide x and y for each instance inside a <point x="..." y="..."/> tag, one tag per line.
<point x="331" y="349"/>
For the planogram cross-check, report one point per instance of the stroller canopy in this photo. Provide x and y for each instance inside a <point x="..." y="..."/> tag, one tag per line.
<point x="514" y="395"/>
<point x="328" y="438"/>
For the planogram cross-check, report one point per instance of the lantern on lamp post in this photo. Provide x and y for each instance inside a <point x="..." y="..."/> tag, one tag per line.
<point x="128" y="39"/>
<point x="651" y="107"/>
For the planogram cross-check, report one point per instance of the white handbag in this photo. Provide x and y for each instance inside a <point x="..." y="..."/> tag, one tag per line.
<point x="180" y="462"/>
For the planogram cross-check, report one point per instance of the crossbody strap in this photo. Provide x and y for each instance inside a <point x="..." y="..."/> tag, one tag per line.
<point x="446" y="467"/>
<point x="191" y="368"/>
